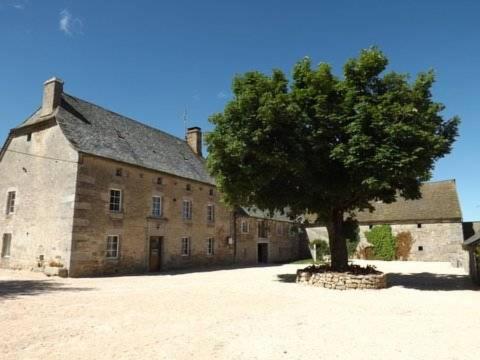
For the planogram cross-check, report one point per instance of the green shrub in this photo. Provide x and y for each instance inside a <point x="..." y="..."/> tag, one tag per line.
<point x="322" y="248"/>
<point x="383" y="242"/>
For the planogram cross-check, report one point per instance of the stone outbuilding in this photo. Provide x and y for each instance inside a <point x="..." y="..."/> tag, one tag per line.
<point x="92" y="192"/>
<point x="472" y="245"/>
<point x="434" y="222"/>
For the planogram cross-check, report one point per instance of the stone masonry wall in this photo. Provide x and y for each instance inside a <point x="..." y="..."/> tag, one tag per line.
<point x="42" y="171"/>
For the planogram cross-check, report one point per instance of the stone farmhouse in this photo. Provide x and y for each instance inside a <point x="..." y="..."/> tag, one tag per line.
<point x="90" y="192"/>
<point x="434" y="222"/>
<point x="471" y="231"/>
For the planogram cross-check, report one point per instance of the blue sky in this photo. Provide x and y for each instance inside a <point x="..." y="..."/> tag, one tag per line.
<point x="150" y="59"/>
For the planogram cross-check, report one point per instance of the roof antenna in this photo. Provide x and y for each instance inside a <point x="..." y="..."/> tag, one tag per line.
<point x="185" y="118"/>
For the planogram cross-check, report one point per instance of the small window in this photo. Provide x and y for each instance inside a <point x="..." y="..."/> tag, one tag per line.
<point x="245" y="227"/>
<point x="29" y="137"/>
<point x="210" y="192"/>
<point x="185" y="246"/>
<point x="279" y="229"/>
<point x="112" y="247"/>
<point x="188" y="187"/>
<point x="11" y="202"/>
<point x="419" y="226"/>
<point x="118" y="172"/>
<point x="420" y="248"/>
<point x="210" y="213"/>
<point x="187" y="210"/>
<point x="157" y="206"/>
<point x="159" y="181"/>
<point x="115" y="200"/>
<point x="370" y="227"/>
<point x="210" y="246"/>
<point x="6" y="244"/>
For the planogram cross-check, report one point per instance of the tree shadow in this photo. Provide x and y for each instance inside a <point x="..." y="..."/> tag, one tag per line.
<point x="431" y="282"/>
<point x="287" y="278"/>
<point x="10" y="289"/>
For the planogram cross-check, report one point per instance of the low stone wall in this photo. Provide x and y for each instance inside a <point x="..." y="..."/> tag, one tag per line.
<point x="342" y="281"/>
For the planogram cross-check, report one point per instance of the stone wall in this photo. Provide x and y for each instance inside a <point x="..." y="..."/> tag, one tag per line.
<point x="342" y="281"/>
<point x="42" y="171"/>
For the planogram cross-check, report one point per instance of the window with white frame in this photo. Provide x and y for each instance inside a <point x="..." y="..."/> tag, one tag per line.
<point x="245" y="227"/>
<point x="115" y="200"/>
<point x="262" y="230"/>
<point x="187" y="210"/>
<point x="157" y="209"/>
<point x="185" y="246"/>
<point x="6" y="244"/>
<point x="279" y="229"/>
<point x="210" y="246"/>
<point x="11" y="196"/>
<point x="210" y="213"/>
<point x="113" y="243"/>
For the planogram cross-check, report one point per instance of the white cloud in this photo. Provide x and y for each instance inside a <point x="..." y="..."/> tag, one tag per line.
<point x="19" y="4"/>
<point x="68" y="24"/>
<point x="222" y="95"/>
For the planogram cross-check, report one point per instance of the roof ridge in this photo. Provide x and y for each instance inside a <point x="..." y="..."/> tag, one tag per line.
<point x="439" y="181"/>
<point x="126" y="117"/>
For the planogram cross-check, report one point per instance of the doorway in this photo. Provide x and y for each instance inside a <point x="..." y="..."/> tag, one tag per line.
<point x="155" y="261"/>
<point x="262" y="253"/>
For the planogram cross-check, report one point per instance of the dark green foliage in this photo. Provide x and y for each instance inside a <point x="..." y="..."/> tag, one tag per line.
<point x="351" y="233"/>
<point x="383" y="242"/>
<point x="325" y="144"/>
<point x="322" y="248"/>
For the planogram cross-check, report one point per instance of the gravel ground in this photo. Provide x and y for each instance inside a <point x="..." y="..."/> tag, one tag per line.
<point x="430" y="312"/>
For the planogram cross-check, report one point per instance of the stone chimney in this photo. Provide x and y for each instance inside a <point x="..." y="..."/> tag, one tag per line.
<point x="52" y="95"/>
<point x="194" y="139"/>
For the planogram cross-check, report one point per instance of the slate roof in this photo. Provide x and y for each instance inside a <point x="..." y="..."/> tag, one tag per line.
<point x="473" y="240"/>
<point x="94" y="130"/>
<point x="439" y="202"/>
<point x="260" y="214"/>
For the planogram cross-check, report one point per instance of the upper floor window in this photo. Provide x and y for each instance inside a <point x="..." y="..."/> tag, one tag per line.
<point x="115" y="200"/>
<point x="6" y="244"/>
<point x="187" y="210"/>
<point x="11" y="202"/>
<point x="245" y="227"/>
<point x="157" y="209"/>
<point x="188" y="187"/>
<point x="210" y="192"/>
<point x="112" y="246"/>
<point x="185" y="246"/>
<point x="279" y="229"/>
<point x="262" y="229"/>
<point x="159" y="181"/>
<point x="210" y="213"/>
<point x="119" y="172"/>
<point x="29" y="137"/>
<point x="210" y="246"/>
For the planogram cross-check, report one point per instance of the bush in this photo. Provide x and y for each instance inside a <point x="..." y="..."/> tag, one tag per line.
<point x="383" y="242"/>
<point x="403" y="246"/>
<point x="322" y="248"/>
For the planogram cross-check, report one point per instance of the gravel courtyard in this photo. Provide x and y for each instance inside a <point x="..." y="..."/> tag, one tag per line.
<point x="430" y="311"/>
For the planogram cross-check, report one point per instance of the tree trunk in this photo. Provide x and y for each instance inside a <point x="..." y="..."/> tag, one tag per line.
<point x="337" y="242"/>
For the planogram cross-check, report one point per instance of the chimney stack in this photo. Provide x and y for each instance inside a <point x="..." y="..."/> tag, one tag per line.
<point x="52" y="95"/>
<point x="194" y="139"/>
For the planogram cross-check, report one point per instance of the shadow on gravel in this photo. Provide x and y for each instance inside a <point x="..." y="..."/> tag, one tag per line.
<point x="287" y="278"/>
<point x="431" y="281"/>
<point x="10" y="289"/>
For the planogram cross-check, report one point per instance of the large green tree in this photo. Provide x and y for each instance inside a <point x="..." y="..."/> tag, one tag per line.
<point x="328" y="145"/>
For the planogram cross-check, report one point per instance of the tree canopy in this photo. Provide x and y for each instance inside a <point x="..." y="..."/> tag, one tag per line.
<point x="326" y="144"/>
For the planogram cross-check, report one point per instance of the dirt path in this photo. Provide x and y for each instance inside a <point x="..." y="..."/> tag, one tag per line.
<point x="251" y="313"/>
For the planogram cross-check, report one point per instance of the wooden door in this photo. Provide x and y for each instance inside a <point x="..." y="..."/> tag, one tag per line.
<point x="155" y="262"/>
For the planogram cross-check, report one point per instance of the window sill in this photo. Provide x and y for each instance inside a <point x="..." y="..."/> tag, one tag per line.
<point x="160" y="218"/>
<point x="116" y="214"/>
<point x="112" y="259"/>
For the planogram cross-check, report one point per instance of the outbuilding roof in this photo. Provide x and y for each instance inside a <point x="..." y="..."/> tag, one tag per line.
<point x="94" y="130"/>
<point x="439" y="202"/>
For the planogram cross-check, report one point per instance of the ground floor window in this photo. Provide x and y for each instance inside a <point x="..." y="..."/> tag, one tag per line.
<point x="6" y="244"/>
<point x="210" y="246"/>
<point x="186" y="246"/>
<point x="112" y="246"/>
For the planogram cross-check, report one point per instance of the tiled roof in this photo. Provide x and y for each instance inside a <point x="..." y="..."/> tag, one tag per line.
<point x="439" y="202"/>
<point x="94" y="130"/>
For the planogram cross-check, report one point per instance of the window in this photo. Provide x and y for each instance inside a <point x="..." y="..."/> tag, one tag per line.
<point x="6" y="243"/>
<point x="11" y="202"/>
<point x="115" y="200"/>
<point x="262" y="229"/>
<point x="419" y="226"/>
<point x="112" y="247"/>
<point x="188" y="187"/>
<point x="210" y="192"/>
<point x="370" y="227"/>
<point x="187" y="210"/>
<point x="245" y="227"/>
<point x="29" y="137"/>
<point x="118" y="172"/>
<point x="420" y="248"/>
<point x="157" y="206"/>
<point x="279" y="229"/>
<point x="210" y="213"/>
<point x="292" y="230"/>
<point x="210" y="246"/>
<point x="159" y="181"/>
<point x="185" y="246"/>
